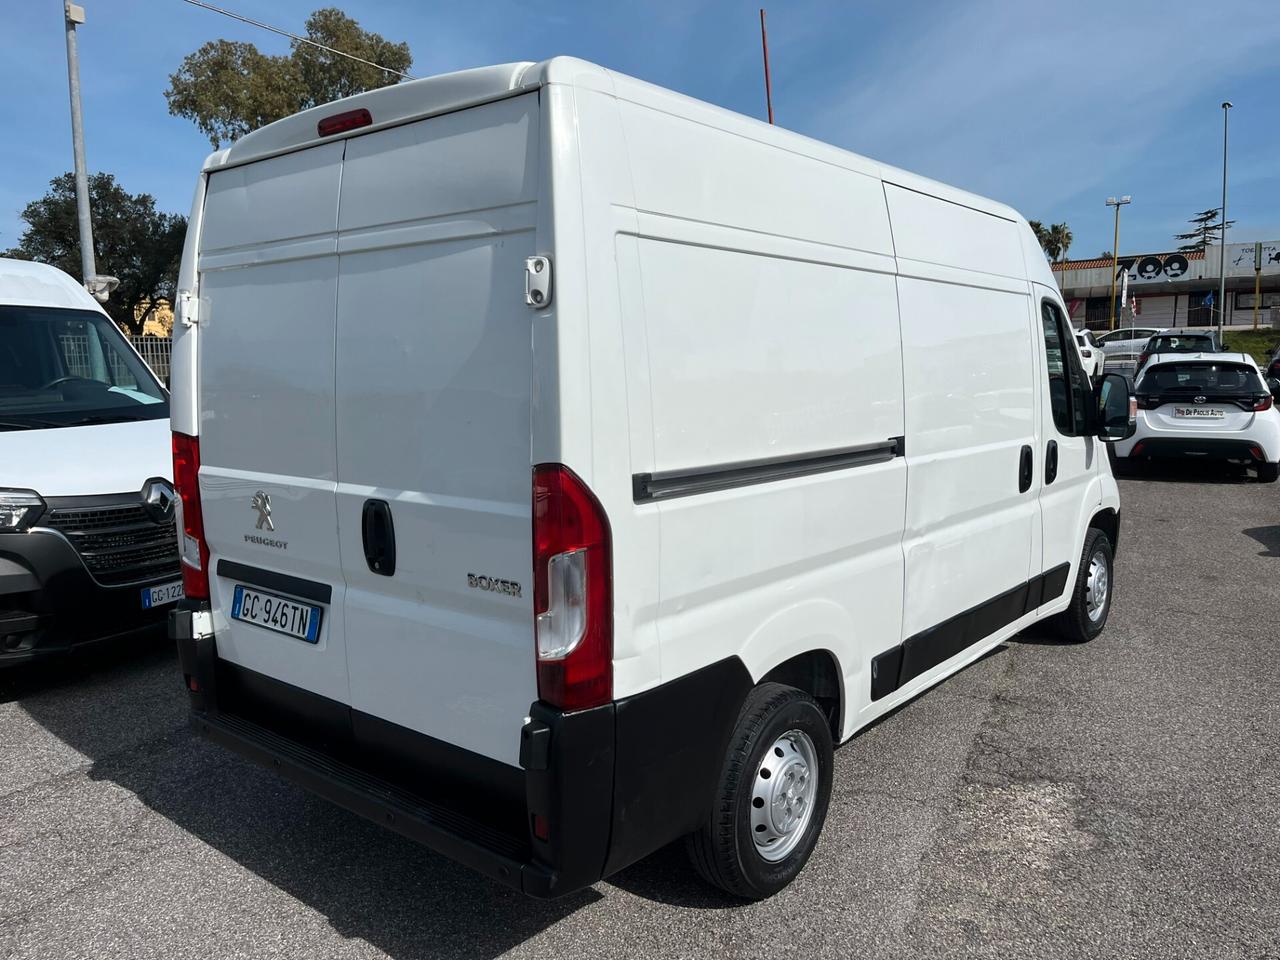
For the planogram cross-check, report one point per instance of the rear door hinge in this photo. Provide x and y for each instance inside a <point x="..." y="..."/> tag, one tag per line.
<point x="537" y="282"/>
<point x="186" y="310"/>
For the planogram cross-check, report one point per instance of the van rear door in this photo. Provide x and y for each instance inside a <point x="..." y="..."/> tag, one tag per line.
<point x="268" y="267"/>
<point x="434" y="357"/>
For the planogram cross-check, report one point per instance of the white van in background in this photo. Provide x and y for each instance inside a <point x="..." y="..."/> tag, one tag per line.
<point x="88" y="549"/>
<point x="666" y="450"/>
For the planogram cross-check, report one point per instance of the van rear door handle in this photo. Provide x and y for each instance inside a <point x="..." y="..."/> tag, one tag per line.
<point x="1051" y="463"/>
<point x="1024" y="470"/>
<point x="379" y="537"/>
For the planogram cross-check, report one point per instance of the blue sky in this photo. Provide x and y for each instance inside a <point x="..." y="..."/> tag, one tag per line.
<point x="1047" y="107"/>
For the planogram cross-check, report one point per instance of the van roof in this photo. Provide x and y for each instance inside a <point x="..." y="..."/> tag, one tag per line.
<point x="29" y="284"/>
<point x="415" y="99"/>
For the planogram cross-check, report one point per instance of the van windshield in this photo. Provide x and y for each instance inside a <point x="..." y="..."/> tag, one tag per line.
<point x="69" y="368"/>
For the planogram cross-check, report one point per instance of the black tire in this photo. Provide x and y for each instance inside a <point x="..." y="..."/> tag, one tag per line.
<point x="1075" y="624"/>
<point x="1268" y="472"/>
<point x="724" y="849"/>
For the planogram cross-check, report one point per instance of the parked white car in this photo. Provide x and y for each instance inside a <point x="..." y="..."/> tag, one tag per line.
<point x="1091" y="354"/>
<point x="1206" y="406"/>
<point x="1121" y="347"/>
<point x="544" y="500"/>
<point x="88" y="550"/>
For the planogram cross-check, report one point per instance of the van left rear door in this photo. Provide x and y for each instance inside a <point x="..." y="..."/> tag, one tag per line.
<point x="268" y="289"/>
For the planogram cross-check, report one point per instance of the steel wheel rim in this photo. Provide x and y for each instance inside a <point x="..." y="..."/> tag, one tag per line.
<point x="1097" y="590"/>
<point x="782" y="795"/>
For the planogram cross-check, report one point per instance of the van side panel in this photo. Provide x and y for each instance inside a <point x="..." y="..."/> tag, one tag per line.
<point x="433" y="412"/>
<point x="969" y="364"/>
<point x="268" y="281"/>
<point x="771" y="333"/>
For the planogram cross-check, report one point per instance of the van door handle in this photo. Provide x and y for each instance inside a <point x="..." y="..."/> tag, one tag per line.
<point x="1051" y="463"/>
<point x="379" y="537"/>
<point x="1024" y="470"/>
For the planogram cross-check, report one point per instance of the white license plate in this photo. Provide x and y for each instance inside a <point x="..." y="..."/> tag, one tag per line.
<point x="1199" y="413"/>
<point x="159" y="596"/>
<point x="293" y="618"/>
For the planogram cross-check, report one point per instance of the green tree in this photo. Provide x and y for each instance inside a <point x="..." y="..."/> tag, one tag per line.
<point x="1042" y="235"/>
<point x="1207" y="229"/>
<point x="228" y="88"/>
<point x="131" y="239"/>
<point x="1060" y="240"/>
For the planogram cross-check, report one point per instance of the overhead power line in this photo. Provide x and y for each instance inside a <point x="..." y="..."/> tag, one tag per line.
<point x="295" y="37"/>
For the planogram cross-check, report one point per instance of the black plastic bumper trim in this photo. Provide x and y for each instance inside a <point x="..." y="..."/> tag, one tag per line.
<point x="921" y="652"/>
<point x="271" y="580"/>
<point x="646" y="487"/>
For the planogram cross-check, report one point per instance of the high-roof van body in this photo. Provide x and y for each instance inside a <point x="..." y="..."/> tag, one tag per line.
<point x="567" y="464"/>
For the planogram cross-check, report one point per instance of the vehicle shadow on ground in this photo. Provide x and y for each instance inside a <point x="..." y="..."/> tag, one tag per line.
<point x="1269" y="537"/>
<point x="370" y="883"/>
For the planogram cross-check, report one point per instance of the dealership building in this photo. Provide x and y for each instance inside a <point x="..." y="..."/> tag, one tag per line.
<point x="1170" y="289"/>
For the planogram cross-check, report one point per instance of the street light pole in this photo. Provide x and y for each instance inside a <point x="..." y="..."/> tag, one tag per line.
<point x="1115" y="252"/>
<point x="75" y="15"/>
<point x="1222" y="240"/>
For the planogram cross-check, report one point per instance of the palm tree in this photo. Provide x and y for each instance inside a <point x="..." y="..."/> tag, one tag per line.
<point x="1042" y="235"/>
<point x="1060" y="238"/>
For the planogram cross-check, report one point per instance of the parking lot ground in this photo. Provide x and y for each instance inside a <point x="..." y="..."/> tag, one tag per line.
<point x="1116" y="799"/>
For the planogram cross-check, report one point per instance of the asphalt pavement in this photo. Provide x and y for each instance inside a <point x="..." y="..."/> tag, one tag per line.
<point x="1116" y="799"/>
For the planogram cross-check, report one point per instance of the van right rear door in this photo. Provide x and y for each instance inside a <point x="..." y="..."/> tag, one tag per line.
<point x="434" y="348"/>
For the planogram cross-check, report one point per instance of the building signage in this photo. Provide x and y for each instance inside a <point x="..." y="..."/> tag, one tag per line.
<point x="1156" y="266"/>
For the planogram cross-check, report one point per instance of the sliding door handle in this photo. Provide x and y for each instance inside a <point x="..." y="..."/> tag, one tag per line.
<point x="1024" y="470"/>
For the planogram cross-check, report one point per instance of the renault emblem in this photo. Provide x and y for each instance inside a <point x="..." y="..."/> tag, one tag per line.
<point x="158" y="499"/>
<point x="262" y="503"/>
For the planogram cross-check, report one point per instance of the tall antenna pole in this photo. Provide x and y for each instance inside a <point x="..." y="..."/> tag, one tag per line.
<point x="764" y="44"/>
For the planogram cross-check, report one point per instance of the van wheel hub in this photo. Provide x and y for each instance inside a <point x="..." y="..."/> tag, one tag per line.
<point x="1097" y="586"/>
<point x="782" y="795"/>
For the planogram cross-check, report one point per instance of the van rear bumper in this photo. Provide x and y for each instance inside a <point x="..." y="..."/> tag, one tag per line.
<point x="597" y="790"/>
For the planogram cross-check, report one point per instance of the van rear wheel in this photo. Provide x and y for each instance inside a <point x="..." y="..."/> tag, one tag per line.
<point x="1091" y="594"/>
<point x="771" y="798"/>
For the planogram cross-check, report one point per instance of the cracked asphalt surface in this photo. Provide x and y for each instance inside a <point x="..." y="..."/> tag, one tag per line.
<point x="1118" y="799"/>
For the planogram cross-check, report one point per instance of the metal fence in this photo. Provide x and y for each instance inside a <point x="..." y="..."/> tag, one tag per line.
<point x="155" y="350"/>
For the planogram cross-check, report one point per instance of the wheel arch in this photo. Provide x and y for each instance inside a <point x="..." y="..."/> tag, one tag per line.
<point x="1108" y="521"/>
<point x="817" y="673"/>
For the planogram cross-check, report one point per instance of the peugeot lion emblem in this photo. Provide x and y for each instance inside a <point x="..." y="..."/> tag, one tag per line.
<point x="158" y="499"/>
<point x="262" y="503"/>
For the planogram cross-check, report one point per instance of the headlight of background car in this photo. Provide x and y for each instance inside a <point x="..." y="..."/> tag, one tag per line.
<point x="19" y="509"/>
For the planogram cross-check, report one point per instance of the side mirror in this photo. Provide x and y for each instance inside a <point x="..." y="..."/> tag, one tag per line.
<point x="1117" y="414"/>
<point x="1274" y="386"/>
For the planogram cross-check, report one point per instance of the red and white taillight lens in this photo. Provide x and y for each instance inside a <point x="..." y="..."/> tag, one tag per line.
<point x="1263" y="402"/>
<point x="572" y="591"/>
<point x="192" y="546"/>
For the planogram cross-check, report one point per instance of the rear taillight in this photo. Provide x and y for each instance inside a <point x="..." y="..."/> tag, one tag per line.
<point x="1262" y="402"/>
<point x="1142" y="358"/>
<point x="572" y="591"/>
<point x="194" y="551"/>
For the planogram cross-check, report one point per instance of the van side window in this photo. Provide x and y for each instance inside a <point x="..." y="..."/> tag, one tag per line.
<point x="1068" y="389"/>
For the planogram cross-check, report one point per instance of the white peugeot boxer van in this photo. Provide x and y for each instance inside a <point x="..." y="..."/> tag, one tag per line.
<point x="566" y="465"/>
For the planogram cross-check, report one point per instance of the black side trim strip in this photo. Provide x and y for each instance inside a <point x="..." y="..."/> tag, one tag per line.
<point x="923" y="651"/>
<point x="270" y="580"/>
<point x="646" y="487"/>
